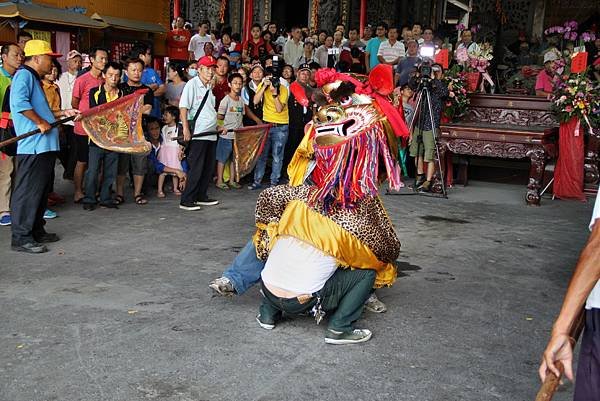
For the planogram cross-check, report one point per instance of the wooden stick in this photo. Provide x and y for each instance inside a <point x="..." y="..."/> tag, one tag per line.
<point x="201" y="134"/>
<point x="550" y="385"/>
<point x="34" y="132"/>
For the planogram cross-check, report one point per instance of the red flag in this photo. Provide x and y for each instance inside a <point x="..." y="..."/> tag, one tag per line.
<point x="579" y="62"/>
<point x="117" y="125"/>
<point x="443" y="58"/>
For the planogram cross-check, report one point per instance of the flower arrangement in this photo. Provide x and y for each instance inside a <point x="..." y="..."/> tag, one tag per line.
<point x="576" y="96"/>
<point x="568" y="30"/>
<point x="479" y="60"/>
<point x="457" y="101"/>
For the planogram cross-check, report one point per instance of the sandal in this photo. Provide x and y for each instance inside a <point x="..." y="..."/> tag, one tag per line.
<point x="160" y="194"/>
<point x="140" y="200"/>
<point x="177" y="192"/>
<point x="222" y="186"/>
<point x="234" y="185"/>
<point x="373" y="304"/>
<point x="119" y="200"/>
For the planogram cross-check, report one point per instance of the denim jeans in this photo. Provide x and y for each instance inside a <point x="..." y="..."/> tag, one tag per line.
<point x="108" y="160"/>
<point x="245" y="270"/>
<point x="276" y="143"/>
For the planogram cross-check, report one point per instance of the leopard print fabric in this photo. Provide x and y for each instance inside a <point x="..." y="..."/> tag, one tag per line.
<point x="368" y="221"/>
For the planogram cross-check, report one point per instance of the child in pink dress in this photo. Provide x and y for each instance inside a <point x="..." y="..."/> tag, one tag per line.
<point x="170" y="152"/>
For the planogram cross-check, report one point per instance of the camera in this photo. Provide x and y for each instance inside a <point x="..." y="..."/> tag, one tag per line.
<point x="425" y="67"/>
<point x="276" y="73"/>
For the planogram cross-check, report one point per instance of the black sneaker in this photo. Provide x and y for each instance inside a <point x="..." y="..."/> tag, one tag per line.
<point x="30" y="247"/>
<point x="89" y="206"/>
<point x="347" y="337"/>
<point x="207" y="202"/>
<point x="46" y="238"/>
<point x="189" y="206"/>
<point x="109" y="205"/>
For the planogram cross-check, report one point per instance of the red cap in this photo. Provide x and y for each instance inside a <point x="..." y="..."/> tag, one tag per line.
<point x="207" y="61"/>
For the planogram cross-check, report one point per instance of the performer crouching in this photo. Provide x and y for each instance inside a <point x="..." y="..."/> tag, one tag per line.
<point x="298" y="278"/>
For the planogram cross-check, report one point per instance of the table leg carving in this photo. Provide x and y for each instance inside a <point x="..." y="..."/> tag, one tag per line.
<point x="536" y="175"/>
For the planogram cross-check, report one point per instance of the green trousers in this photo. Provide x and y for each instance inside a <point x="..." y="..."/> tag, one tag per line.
<point x="342" y="298"/>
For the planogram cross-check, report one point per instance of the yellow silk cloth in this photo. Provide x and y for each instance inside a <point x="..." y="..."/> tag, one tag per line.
<point x="299" y="163"/>
<point x="305" y="224"/>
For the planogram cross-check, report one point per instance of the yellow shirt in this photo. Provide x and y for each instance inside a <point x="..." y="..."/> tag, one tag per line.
<point x="270" y="114"/>
<point x="52" y="93"/>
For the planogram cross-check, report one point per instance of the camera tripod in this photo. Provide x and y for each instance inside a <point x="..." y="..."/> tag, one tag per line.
<point x="423" y="91"/>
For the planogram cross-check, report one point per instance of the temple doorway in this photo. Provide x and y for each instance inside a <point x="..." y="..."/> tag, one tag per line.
<point x="290" y="13"/>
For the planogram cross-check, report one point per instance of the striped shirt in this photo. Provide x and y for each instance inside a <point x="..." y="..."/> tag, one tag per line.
<point x="391" y="52"/>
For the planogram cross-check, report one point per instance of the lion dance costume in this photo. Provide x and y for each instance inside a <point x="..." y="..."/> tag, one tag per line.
<point x="332" y="199"/>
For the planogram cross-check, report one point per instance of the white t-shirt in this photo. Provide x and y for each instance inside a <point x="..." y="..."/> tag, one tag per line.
<point x="65" y="84"/>
<point x="593" y="300"/>
<point x="197" y="45"/>
<point x="297" y="267"/>
<point x="391" y="52"/>
<point x="168" y="133"/>
<point x="233" y="110"/>
<point x="191" y="98"/>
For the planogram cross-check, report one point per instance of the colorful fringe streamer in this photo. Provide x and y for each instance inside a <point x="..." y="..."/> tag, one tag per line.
<point x="348" y="171"/>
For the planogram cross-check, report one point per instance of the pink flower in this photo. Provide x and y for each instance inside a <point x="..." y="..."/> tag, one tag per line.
<point x="568" y="109"/>
<point x="451" y="94"/>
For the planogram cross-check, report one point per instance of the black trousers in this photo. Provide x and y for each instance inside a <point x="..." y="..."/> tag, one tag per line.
<point x="201" y="160"/>
<point x="587" y="382"/>
<point x="30" y="196"/>
<point x="68" y="152"/>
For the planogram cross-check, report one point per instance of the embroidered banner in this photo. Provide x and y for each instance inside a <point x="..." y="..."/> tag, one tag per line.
<point x="117" y="126"/>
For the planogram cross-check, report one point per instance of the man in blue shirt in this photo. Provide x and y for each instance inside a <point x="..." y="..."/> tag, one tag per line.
<point x="36" y="155"/>
<point x="373" y="46"/>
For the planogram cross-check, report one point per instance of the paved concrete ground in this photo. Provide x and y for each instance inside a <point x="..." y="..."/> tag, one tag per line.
<point x="119" y="309"/>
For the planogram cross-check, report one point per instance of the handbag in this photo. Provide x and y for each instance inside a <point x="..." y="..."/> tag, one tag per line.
<point x="7" y="130"/>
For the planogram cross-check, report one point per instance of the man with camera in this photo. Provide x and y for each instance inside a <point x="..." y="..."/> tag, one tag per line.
<point x="422" y="139"/>
<point x="275" y="112"/>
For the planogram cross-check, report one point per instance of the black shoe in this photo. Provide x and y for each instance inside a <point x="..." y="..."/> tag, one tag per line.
<point x="46" y="238"/>
<point x="207" y="202"/>
<point x="89" y="206"/>
<point x="110" y="205"/>
<point x="30" y="247"/>
<point x="189" y="206"/>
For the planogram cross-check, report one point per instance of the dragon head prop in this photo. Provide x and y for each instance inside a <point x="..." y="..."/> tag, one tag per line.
<point x="353" y="135"/>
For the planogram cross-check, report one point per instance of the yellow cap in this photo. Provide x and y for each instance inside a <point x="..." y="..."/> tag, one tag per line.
<point x="35" y="47"/>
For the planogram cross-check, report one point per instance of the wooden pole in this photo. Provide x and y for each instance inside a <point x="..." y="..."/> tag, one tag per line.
<point x="363" y="17"/>
<point x="35" y="131"/>
<point x="248" y="18"/>
<point x="550" y="385"/>
<point x="176" y="8"/>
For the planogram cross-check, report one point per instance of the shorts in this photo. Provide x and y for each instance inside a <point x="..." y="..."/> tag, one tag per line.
<point x="224" y="149"/>
<point x="423" y="143"/>
<point x="82" y="148"/>
<point x="139" y="164"/>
